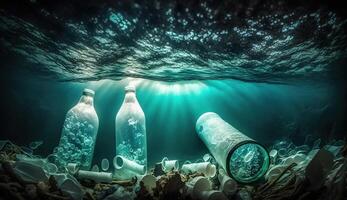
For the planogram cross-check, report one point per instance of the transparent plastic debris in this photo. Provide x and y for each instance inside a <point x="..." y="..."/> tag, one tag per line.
<point x="27" y="150"/>
<point x="243" y="159"/>
<point x="273" y="156"/>
<point x="227" y="185"/>
<point x="318" y="168"/>
<point x="69" y="185"/>
<point x="131" y="142"/>
<point x="35" y="161"/>
<point x="30" y="172"/>
<point x="302" y="149"/>
<point x="149" y="182"/>
<point x="79" y="133"/>
<point x="95" y="168"/>
<point x="208" y="169"/>
<point x="49" y="168"/>
<point x="169" y="165"/>
<point x="34" y="145"/>
<point x="297" y="158"/>
<point x="274" y="172"/>
<point x="197" y="185"/>
<point x="207" y="157"/>
<point x="105" y="164"/>
<point x="126" y="169"/>
<point x="72" y="188"/>
<point x="99" y="177"/>
<point x="72" y="168"/>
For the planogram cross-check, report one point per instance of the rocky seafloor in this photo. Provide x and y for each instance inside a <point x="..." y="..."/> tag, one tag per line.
<point x="309" y="171"/>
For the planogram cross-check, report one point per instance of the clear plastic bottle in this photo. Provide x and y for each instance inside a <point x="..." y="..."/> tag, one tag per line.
<point x="78" y="134"/>
<point x="131" y="142"/>
<point x="242" y="158"/>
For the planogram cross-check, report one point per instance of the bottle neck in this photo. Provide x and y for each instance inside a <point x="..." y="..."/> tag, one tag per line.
<point x="88" y="100"/>
<point x="130" y="97"/>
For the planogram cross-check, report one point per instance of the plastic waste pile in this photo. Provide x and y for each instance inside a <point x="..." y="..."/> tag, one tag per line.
<point x="306" y="172"/>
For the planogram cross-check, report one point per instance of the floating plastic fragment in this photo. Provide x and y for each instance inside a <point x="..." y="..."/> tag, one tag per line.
<point x="243" y="159"/>
<point x="198" y="185"/>
<point x="318" y="168"/>
<point x="105" y="164"/>
<point x="99" y="177"/>
<point x="169" y="165"/>
<point x="35" y="145"/>
<point x="208" y="169"/>
<point x="149" y="181"/>
<point x="227" y="184"/>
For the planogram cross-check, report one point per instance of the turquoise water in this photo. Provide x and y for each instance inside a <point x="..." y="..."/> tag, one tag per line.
<point x="272" y="69"/>
<point x="35" y="110"/>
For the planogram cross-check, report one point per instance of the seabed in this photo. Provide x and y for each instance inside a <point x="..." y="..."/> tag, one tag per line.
<point x="321" y="173"/>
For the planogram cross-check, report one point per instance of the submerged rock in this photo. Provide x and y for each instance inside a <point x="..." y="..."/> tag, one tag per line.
<point x="318" y="168"/>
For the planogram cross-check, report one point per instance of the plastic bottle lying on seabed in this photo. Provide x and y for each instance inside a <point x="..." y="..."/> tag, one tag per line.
<point x="242" y="158"/>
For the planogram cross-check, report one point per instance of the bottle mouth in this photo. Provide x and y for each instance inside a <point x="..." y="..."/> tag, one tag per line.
<point x="88" y="92"/>
<point x="130" y="88"/>
<point x="247" y="155"/>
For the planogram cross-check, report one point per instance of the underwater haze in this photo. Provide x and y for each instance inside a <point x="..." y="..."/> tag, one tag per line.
<point x="272" y="69"/>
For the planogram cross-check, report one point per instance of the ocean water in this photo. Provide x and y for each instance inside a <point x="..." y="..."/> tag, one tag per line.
<point x="274" y="70"/>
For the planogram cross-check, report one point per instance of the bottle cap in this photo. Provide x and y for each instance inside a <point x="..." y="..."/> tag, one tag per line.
<point x="130" y="88"/>
<point x="88" y="92"/>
